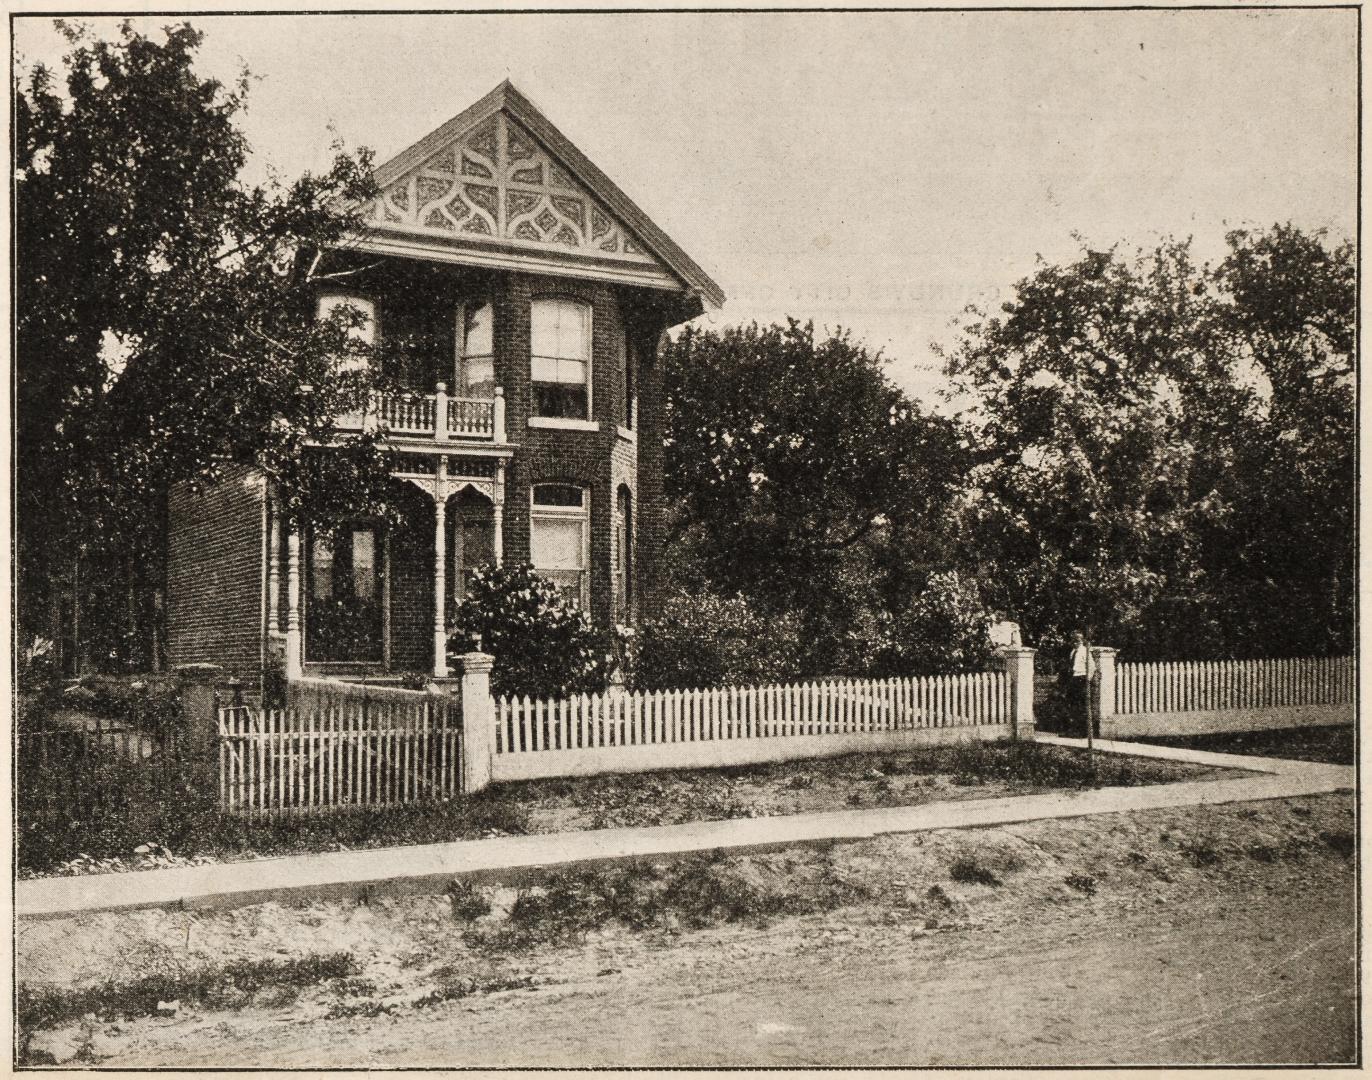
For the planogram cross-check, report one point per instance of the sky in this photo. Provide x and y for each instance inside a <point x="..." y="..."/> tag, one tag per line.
<point x="878" y="171"/>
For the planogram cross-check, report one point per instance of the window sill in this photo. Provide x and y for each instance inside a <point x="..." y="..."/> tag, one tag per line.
<point x="563" y="423"/>
<point x="627" y="434"/>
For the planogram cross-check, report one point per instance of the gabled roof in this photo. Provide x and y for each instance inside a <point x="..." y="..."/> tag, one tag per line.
<point x="499" y="180"/>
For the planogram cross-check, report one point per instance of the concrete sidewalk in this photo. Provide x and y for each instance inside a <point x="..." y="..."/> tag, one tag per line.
<point x="430" y="867"/>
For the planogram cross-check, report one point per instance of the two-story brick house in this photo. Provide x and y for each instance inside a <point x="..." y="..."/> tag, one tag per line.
<point x="530" y="429"/>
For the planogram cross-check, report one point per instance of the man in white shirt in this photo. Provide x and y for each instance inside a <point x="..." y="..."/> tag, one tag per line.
<point x="1079" y="685"/>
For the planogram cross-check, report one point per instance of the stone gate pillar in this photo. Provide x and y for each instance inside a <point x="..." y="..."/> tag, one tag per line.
<point x="1019" y="673"/>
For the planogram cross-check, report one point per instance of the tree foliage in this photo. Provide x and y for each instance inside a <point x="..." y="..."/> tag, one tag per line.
<point x="164" y="308"/>
<point x="796" y="468"/>
<point x="1159" y="444"/>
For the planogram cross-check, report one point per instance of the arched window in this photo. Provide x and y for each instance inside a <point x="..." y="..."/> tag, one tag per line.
<point x="559" y="538"/>
<point x="475" y="352"/>
<point x="624" y="556"/>
<point x="560" y="358"/>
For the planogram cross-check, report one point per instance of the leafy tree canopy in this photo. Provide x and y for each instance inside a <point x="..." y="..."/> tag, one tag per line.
<point x="795" y="467"/>
<point x="1160" y="443"/>
<point x="164" y="308"/>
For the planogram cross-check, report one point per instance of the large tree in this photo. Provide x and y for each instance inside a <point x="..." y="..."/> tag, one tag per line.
<point x="1161" y="444"/>
<point x="803" y="479"/>
<point x="163" y="309"/>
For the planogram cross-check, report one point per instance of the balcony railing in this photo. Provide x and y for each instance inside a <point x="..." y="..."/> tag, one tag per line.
<point x="433" y="416"/>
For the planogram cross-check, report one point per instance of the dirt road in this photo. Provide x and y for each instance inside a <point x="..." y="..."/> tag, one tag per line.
<point x="1158" y="938"/>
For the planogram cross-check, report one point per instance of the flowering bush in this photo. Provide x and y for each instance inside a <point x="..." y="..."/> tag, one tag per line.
<point x="542" y="646"/>
<point x="704" y="640"/>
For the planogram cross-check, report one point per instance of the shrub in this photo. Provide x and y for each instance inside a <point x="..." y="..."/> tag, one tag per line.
<point x="705" y="640"/>
<point x="542" y="647"/>
<point x="150" y="703"/>
<point x="941" y="629"/>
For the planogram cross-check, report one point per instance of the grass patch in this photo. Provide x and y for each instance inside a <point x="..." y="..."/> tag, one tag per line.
<point x="970" y="871"/>
<point x="1083" y="883"/>
<point x="695" y="892"/>
<point x="41" y="1006"/>
<point x="187" y="827"/>
<point x="463" y="988"/>
<point x="1331" y="745"/>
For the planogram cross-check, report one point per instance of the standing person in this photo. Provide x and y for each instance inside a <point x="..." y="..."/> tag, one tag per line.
<point x="1079" y="686"/>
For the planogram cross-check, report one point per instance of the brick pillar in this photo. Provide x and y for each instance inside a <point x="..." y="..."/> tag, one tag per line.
<point x="1019" y="674"/>
<point x="200" y="701"/>
<point x="478" y="720"/>
<point x="1104" y="687"/>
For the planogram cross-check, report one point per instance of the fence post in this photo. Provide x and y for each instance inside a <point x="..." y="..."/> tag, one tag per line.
<point x="197" y="685"/>
<point x="1105" y="685"/>
<point x="1019" y="674"/>
<point x="478" y="720"/>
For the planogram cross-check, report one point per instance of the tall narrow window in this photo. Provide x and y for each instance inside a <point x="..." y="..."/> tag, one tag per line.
<point x="628" y="359"/>
<point x="475" y="352"/>
<point x="624" y="556"/>
<point x="473" y="533"/>
<point x="559" y="539"/>
<point x="560" y="357"/>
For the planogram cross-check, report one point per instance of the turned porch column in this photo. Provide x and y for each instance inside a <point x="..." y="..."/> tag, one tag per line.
<point x="295" y="645"/>
<point x="273" y="571"/>
<point x="440" y="567"/>
<point x="498" y="513"/>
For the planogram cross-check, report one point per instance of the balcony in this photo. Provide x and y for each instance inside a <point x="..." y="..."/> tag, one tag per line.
<point x="433" y="416"/>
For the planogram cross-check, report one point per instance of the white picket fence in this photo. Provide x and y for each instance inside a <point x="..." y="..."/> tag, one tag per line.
<point x="275" y="762"/>
<point x="1232" y="684"/>
<point x="621" y="731"/>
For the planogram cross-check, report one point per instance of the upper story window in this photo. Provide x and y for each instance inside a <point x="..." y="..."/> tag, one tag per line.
<point x="365" y="333"/>
<point x="560" y="348"/>
<point x="475" y="351"/>
<point x="628" y="360"/>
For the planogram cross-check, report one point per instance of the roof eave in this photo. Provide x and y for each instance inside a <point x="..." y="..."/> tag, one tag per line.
<point x="507" y="97"/>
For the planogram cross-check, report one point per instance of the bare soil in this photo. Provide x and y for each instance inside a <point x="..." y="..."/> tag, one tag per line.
<point x="1211" y="934"/>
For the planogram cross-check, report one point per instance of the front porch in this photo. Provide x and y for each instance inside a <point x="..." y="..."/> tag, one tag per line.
<point x="362" y="598"/>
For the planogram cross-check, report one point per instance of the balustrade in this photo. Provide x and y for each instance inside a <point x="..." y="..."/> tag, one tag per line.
<point x="436" y="416"/>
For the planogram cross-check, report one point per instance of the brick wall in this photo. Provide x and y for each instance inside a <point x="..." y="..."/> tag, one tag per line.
<point x="412" y="588"/>
<point x="599" y="460"/>
<point x="214" y="572"/>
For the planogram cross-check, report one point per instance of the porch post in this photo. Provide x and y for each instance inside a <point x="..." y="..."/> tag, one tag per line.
<point x="440" y="567"/>
<point x="295" y="646"/>
<point x="273" y="572"/>
<point x="498" y="513"/>
<point x="386" y="599"/>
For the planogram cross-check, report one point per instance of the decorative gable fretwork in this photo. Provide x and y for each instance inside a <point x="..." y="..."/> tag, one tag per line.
<point x="497" y="183"/>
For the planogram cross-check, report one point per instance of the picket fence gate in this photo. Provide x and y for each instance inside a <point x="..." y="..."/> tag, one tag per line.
<point x="1220" y="685"/>
<point x="287" y="761"/>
